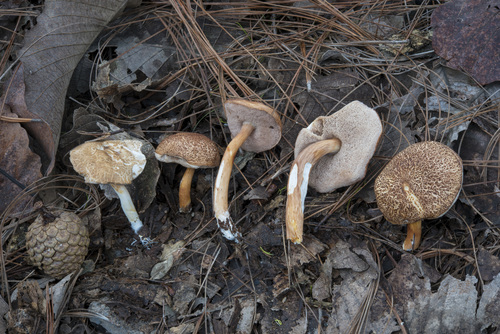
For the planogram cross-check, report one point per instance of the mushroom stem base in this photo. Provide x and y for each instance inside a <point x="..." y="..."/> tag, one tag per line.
<point x="413" y="236"/>
<point x="227" y="227"/>
<point x="128" y="207"/>
<point x="185" y="191"/>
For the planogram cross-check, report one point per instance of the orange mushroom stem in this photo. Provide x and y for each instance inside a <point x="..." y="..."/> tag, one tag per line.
<point x="221" y="203"/>
<point x="298" y="181"/>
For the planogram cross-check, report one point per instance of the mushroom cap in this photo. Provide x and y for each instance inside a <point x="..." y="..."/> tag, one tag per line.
<point x="192" y="150"/>
<point x="421" y="182"/>
<point x="359" y="128"/>
<point x="267" y="132"/>
<point x="109" y="161"/>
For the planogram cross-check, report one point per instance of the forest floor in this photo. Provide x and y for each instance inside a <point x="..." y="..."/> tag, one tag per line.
<point x="164" y="67"/>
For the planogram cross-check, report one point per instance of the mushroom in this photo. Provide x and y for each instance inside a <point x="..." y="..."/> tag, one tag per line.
<point x="191" y="150"/>
<point x="254" y="127"/>
<point x="115" y="163"/>
<point x="332" y="152"/>
<point x="421" y="182"/>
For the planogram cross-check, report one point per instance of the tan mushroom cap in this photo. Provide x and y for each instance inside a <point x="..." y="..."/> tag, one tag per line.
<point x="191" y="150"/>
<point x="109" y="161"/>
<point x="267" y="132"/>
<point x="421" y="182"/>
<point x="359" y="128"/>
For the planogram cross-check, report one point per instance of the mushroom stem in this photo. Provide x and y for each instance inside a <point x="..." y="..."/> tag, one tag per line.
<point x="297" y="184"/>
<point x="221" y="206"/>
<point x="413" y="236"/>
<point x="185" y="190"/>
<point x="128" y="207"/>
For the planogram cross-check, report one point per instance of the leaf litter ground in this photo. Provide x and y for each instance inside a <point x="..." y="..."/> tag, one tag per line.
<point x="165" y="67"/>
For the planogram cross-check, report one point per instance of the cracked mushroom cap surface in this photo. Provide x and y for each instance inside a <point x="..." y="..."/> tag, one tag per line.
<point x="189" y="149"/>
<point x="359" y="128"/>
<point x="267" y="132"/>
<point x="421" y="182"/>
<point x="109" y="161"/>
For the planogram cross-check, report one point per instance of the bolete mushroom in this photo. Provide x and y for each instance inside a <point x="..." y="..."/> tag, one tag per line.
<point x="115" y="163"/>
<point x="421" y="182"/>
<point x="191" y="150"/>
<point x="254" y="127"/>
<point x="332" y="152"/>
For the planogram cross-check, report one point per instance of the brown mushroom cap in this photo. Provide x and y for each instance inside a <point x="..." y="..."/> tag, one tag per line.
<point x="421" y="182"/>
<point x="359" y="128"/>
<point x="265" y="120"/>
<point x="191" y="150"/>
<point x="109" y="161"/>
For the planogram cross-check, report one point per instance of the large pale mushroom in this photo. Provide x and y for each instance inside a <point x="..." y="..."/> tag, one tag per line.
<point x="332" y="152"/>
<point x="116" y="163"/>
<point x="193" y="151"/>
<point x="254" y="127"/>
<point x="421" y="182"/>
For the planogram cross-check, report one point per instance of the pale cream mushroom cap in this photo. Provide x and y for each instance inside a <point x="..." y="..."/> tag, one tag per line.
<point x="109" y="161"/>
<point x="359" y="128"/>
<point x="191" y="150"/>
<point x="265" y="120"/>
<point x="421" y="182"/>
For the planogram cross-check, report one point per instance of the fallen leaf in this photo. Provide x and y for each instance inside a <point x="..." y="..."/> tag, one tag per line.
<point x="51" y="52"/>
<point x="352" y="297"/>
<point x="450" y="309"/>
<point x="170" y="253"/>
<point x="488" y="312"/>
<point x="306" y="251"/>
<point x="19" y="162"/>
<point x="466" y="35"/>
<point x="247" y="316"/>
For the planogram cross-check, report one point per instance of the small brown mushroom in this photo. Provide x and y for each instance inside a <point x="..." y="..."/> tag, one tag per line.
<point x="254" y="127"/>
<point x="116" y="163"/>
<point x="332" y="152"/>
<point x="193" y="151"/>
<point x="421" y="182"/>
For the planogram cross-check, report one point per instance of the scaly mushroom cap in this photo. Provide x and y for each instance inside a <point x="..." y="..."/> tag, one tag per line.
<point x="191" y="150"/>
<point x="109" y="161"/>
<point x="359" y="128"/>
<point x="421" y="182"/>
<point x="267" y="132"/>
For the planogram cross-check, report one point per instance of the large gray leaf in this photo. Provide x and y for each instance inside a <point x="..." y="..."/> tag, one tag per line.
<point x="52" y="50"/>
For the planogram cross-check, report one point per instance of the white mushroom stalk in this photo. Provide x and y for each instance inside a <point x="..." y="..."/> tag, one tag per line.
<point x="128" y="207"/>
<point x="115" y="163"/>
<point x="298" y="182"/>
<point x="221" y="203"/>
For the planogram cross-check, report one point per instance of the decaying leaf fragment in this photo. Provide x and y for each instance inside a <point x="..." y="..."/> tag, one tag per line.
<point x="352" y="297"/>
<point x="466" y="35"/>
<point x="450" y="309"/>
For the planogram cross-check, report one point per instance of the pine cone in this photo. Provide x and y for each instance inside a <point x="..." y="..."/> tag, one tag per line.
<point x="57" y="246"/>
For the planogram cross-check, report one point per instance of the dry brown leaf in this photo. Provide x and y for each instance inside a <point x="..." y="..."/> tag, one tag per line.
<point x="466" y="35"/>
<point x="52" y="50"/>
<point x="18" y="161"/>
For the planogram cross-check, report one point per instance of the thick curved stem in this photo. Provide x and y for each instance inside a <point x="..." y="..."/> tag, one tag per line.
<point x="220" y="200"/>
<point x="297" y="184"/>
<point x="185" y="190"/>
<point x="413" y="236"/>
